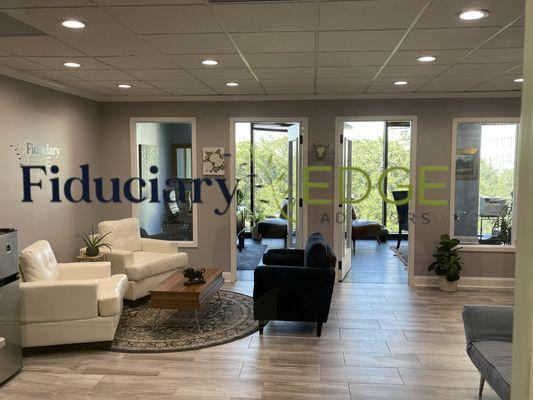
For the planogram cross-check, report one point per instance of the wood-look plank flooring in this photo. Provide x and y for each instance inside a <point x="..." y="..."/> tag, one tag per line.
<point x="382" y="341"/>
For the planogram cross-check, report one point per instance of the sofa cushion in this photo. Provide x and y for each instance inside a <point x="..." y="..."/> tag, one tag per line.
<point x="146" y="264"/>
<point x="38" y="263"/>
<point x="317" y="251"/>
<point x="124" y="234"/>
<point x="493" y="360"/>
<point x="110" y="294"/>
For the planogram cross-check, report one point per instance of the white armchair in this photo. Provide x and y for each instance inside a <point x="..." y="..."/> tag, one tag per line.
<point x="146" y="262"/>
<point x="66" y="303"/>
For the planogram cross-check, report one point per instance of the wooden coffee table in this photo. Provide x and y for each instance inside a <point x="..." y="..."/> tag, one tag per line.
<point x="173" y="294"/>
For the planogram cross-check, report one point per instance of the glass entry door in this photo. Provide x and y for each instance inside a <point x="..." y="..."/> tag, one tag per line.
<point x="346" y="207"/>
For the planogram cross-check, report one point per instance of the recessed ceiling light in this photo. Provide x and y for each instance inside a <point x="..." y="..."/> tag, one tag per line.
<point x="73" y="24"/>
<point x="232" y="84"/>
<point x="124" y="86"/>
<point x="518" y="80"/>
<point x="72" y="64"/>
<point x="473" y="14"/>
<point x="401" y="83"/>
<point x="426" y="59"/>
<point x="209" y="61"/>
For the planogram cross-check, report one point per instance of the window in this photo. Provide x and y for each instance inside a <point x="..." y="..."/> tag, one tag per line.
<point x="484" y="179"/>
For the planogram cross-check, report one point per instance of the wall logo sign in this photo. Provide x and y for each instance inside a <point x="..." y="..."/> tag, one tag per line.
<point x="36" y="154"/>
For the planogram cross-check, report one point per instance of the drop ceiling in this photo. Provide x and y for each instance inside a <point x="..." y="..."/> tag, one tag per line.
<point x="273" y="49"/>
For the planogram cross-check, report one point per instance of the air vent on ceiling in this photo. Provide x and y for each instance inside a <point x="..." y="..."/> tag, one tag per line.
<point x="10" y="26"/>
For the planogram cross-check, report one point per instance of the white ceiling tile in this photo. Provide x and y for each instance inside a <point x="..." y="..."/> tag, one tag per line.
<point x="221" y="73"/>
<point x="44" y="3"/>
<point x="352" y="58"/>
<point x="348" y="72"/>
<point x="104" y="36"/>
<point x="453" y="38"/>
<point x="369" y="14"/>
<point x="144" y="2"/>
<point x="457" y="80"/>
<point x="3" y="53"/>
<point x="274" y="60"/>
<point x="360" y="40"/>
<point x="84" y="85"/>
<point x="55" y="75"/>
<point x="410" y="57"/>
<point x="443" y="14"/>
<point x="202" y="91"/>
<point x="245" y="87"/>
<point x="141" y="91"/>
<point x="57" y="62"/>
<point x="274" y="42"/>
<point x="189" y="84"/>
<point x="445" y="88"/>
<point x="277" y="73"/>
<point x="386" y="85"/>
<point x="191" y="43"/>
<point x="36" y="46"/>
<point x="516" y="72"/>
<point x="501" y="83"/>
<point x="342" y="86"/>
<point x="139" y="62"/>
<point x="288" y="86"/>
<point x="167" y="19"/>
<point x="21" y="63"/>
<point x="485" y="55"/>
<point x="408" y="71"/>
<point x="100" y="74"/>
<point x="478" y="69"/>
<point x="159" y="74"/>
<point x="113" y="85"/>
<point x="195" y="60"/>
<point x="257" y="17"/>
<point x="511" y="37"/>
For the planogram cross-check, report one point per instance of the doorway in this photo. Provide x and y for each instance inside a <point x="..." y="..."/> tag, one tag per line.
<point x="373" y="233"/>
<point x="267" y="167"/>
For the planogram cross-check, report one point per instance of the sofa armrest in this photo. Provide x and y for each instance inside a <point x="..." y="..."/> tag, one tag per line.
<point x="484" y="323"/>
<point x="119" y="259"/>
<point x="50" y="301"/>
<point x="84" y="270"/>
<point x="293" y="257"/>
<point x="159" y="246"/>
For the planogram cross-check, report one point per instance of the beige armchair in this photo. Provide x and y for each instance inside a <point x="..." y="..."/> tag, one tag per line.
<point x="146" y="262"/>
<point x="66" y="303"/>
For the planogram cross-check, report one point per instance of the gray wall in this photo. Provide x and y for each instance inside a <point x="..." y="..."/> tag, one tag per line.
<point x="33" y="114"/>
<point x="433" y="147"/>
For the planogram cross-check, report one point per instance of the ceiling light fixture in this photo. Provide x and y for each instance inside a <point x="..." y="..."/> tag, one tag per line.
<point x="124" y="86"/>
<point x="518" y="80"/>
<point x="401" y="83"/>
<point x="73" y="24"/>
<point x="209" y="61"/>
<point x="71" y="64"/>
<point x="426" y="59"/>
<point x="232" y="84"/>
<point x="473" y="14"/>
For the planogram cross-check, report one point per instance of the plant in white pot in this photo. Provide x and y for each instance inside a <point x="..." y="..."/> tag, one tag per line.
<point x="447" y="264"/>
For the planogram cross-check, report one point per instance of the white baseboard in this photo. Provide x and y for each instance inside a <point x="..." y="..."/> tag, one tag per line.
<point x="227" y="276"/>
<point x="468" y="282"/>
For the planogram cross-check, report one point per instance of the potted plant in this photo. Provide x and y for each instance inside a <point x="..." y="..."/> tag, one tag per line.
<point x="255" y="217"/>
<point x="93" y="243"/>
<point x="503" y="227"/>
<point x="447" y="264"/>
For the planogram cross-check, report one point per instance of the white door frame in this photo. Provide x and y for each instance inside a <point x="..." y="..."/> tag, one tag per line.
<point x="135" y="166"/>
<point x="303" y="121"/>
<point x="337" y="237"/>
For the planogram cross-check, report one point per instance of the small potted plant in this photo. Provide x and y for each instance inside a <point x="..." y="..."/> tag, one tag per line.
<point x="93" y="243"/>
<point x="447" y="264"/>
<point x="255" y="218"/>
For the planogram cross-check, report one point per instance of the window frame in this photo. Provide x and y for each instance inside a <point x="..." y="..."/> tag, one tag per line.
<point x="465" y="247"/>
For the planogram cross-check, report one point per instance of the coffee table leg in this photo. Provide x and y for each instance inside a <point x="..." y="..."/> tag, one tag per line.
<point x="156" y="318"/>
<point x="197" y="323"/>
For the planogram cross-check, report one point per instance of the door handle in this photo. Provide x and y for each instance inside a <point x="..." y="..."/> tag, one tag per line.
<point x="2" y="342"/>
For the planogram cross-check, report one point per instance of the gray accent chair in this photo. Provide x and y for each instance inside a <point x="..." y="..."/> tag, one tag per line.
<point x="489" y="336"/>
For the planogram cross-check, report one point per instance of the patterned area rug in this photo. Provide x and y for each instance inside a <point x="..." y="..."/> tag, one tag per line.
<point x="250" y="257"/>
<point x="221" y="320"/>
<point x="401" y="253"/>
